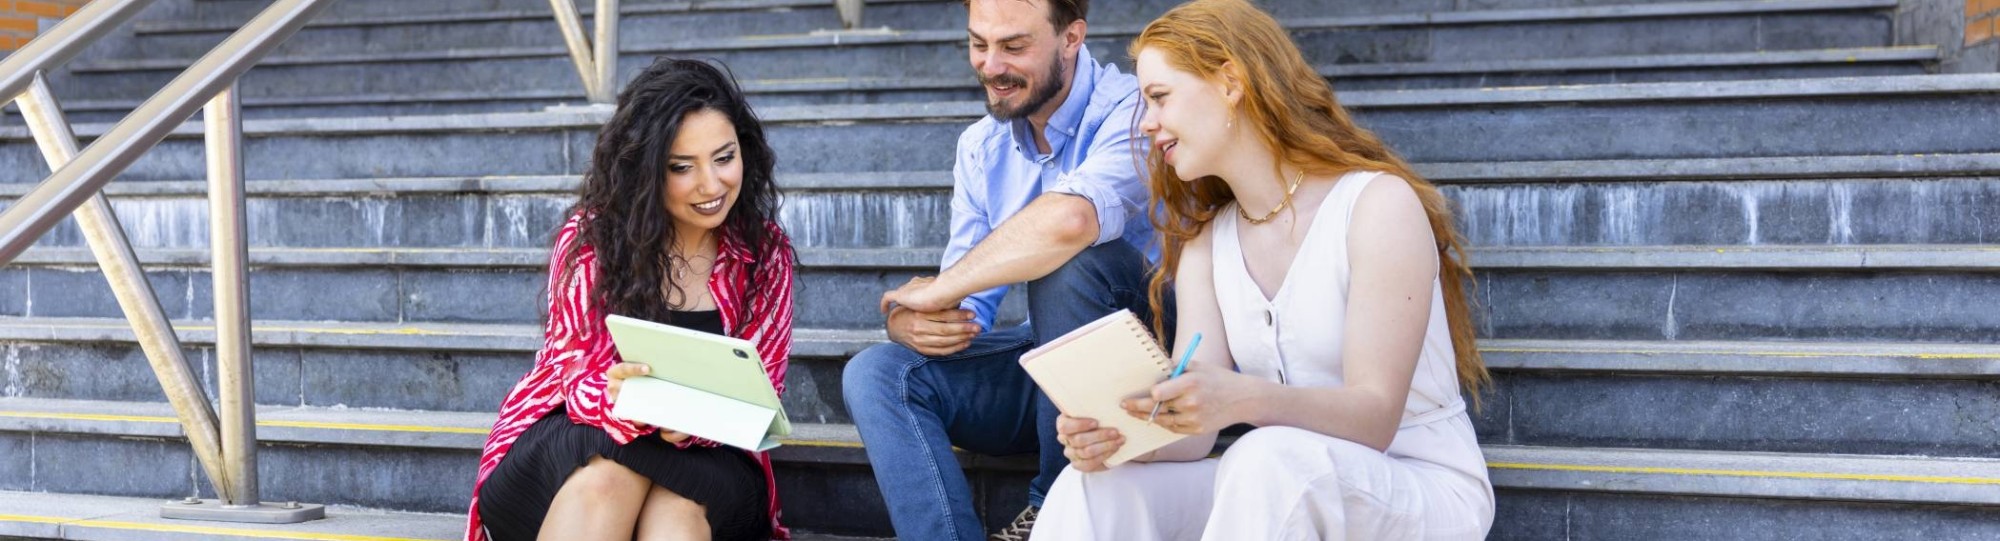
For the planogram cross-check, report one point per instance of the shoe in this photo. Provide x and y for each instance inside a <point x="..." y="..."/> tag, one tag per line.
<point x="1017" y="531"/>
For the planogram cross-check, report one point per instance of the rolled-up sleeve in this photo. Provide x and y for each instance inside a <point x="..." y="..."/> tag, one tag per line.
<point x="1112" y="175"/>
<point x="970" y="225"/>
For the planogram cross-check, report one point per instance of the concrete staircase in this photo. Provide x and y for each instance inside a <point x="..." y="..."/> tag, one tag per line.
<point x="1734" y="270"/>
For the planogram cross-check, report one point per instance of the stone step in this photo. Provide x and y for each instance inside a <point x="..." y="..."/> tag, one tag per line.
<point x="430" y="457"/>
<point x="212" y="16"/>
<point x="641" y="23"/>
<point x="1743" y="119"/>
<point x="1925" y="294"/>
<point x="1498" y="35"/>
<point x="80" y="517"/>
<point x="471" y="367"/>
<point x="1876" y="398"/>
<point x="850" y="211"/>
<point x="1688" y="357"/>
<point x="1877" y="61"/>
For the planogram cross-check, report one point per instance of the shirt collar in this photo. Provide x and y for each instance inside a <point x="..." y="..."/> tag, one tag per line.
<point x="1063" y="123"/>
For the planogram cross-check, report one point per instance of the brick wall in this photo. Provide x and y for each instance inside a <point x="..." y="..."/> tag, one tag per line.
<point x="18" y="18"/>
<point x="1982" y="21"/>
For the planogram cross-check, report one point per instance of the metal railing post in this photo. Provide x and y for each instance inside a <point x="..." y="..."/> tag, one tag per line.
<point x="850" y="13"/>
<point x="607" y="52"/>
<point x="128" y="284"/>
<point x="222" y="125"/>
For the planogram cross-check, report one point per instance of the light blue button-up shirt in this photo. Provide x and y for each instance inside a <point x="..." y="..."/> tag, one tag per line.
<point x="1094" y="152"/>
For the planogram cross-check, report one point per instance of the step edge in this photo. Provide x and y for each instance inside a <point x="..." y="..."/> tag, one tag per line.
<point x="1946" y="480"/>
<point x="1845" y="56"/>
<point x="1738" y="358"/>
<point x="962" y="111"/>
<point x="1827" y="168"/>
<point x="916" y="36"/>
<point x="1967" y="257"/>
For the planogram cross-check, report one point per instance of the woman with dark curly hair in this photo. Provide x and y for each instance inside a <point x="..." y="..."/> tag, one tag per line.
<point x="675" y="223"/>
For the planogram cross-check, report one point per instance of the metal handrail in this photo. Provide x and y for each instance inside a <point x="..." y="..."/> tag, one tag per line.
<point x="65" y="41"/>
<point x="225" y="445"/>
<point x="42" y="208"/>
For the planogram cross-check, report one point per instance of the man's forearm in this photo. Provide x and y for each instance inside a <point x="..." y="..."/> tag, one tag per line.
<point x="1029" y="245"/>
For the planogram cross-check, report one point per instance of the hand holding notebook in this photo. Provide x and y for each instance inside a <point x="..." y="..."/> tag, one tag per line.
<point x="1090" y="370"/>
<point x="699" y="384"/>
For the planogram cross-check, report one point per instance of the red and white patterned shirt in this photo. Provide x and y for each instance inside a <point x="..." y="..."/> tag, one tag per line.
<point x="569" y="370"/>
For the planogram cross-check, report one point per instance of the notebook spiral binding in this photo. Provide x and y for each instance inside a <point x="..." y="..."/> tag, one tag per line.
<point x="1139" y="331"/>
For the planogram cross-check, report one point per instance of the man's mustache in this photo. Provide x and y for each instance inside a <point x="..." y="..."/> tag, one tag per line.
<point x="1003" y="80"/>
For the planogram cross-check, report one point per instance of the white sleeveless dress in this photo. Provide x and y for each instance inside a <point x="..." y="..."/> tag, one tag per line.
<point x="1290" y="483"/>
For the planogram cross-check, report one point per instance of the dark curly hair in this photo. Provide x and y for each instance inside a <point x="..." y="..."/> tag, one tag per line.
<point x="623" y="198"/>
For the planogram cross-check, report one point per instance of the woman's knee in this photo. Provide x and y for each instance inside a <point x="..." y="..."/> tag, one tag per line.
<point x="1131" y="482"/>
<point x="665" y="504"/>
<point x="667" y="515"/>
<point x="1287" y="459"/>
<point x="605" y="479"/>
<point x="1279" y="451"/>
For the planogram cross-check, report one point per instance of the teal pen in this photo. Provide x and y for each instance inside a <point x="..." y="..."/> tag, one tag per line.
<point x="1185" y="355"/>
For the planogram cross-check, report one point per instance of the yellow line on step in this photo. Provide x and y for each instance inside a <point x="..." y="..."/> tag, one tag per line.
<point x="386" y="428"/>
<point x="87" y="417"/>
<point x="1744" y="352"/>
<point x="856" y="445"/>
<point x="1749" y="473"/>
<point x="204" y="530"/>
<point x="812" y="443"/>
<point x="283" y="424"/>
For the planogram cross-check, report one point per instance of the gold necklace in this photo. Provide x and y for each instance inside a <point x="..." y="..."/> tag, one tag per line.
<point x="1287" y="202"/>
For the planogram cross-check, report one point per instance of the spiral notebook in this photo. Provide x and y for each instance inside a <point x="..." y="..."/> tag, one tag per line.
<point x="1088" y="371"/>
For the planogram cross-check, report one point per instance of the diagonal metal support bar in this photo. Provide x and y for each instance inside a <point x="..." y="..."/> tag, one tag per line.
<point x="128" y="284"/>
<point x="596" y="60"/>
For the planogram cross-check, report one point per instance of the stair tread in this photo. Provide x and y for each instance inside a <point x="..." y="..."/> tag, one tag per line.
<point x="177" y="26"/>
<point x="958" y="111"/>
<point x="1473" y="16"/>
<point x="45" y="515"/>
<point x="1720" y="473"/>
<point x="1791" y="256"/>
<point x="1559" y="14"/>
<point x="1843" y="55"/>
<point x="1639" y="170"/>
<point x="1703" y="357"/>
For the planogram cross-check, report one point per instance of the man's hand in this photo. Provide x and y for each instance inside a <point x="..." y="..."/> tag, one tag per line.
<point x="934" y="334"/>
<point x="920" y="294"/>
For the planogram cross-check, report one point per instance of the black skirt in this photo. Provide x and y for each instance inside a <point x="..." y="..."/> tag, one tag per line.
<point x="728" y="482"/>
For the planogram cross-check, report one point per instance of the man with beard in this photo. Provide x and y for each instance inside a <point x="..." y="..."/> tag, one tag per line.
<point x="1048" y="191"/>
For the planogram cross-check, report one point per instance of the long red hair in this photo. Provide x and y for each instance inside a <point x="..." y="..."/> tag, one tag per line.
<point x="1294" y="112"/>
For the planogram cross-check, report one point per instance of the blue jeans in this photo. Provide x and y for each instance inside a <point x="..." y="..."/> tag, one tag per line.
<point x="912" y="409"/>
